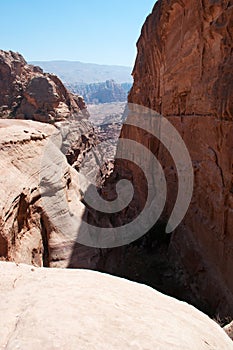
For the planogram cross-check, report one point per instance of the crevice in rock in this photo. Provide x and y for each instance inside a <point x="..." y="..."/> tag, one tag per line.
<point x="23" y="211"/>
<point x="218" y="165"/>
<point x="3" y="247"/>
<point x="44" y="235"/>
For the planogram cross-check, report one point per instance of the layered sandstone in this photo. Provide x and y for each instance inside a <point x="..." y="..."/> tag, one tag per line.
<point x="70" y="309"/>
<point x="37" y="180"/>
<point x="43" y="167"/>
<point x="184" y="71"/>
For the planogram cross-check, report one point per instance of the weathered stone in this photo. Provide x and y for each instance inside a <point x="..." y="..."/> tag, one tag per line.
<point x="28" y="93"/>
<point x="184" y="71"/>
<point x="27" y="233"/>
<point x="70" y="309"/>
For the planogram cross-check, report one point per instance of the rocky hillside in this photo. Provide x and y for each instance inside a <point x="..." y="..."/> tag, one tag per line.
<point x="89" y="310"/>
<point x="28" y="93"/>
<point x="106" y="92"/>
<point x="184" y="71"/>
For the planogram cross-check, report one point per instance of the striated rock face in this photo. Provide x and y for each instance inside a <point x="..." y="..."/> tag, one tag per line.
<point x="28" y="161"/>
<point x="28" y="93"/>
<point x="184" y="61"/>
<point x="74" y="315"/>
<point x="184" y="71"/>
<point x="40" y="184"/>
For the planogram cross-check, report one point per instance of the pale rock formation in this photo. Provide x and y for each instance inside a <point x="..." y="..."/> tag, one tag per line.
<point x="81" y="309"/>
<point x="35" y="177"/>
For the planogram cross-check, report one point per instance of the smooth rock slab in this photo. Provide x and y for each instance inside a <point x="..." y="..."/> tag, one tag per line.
<point x="81" y="309"/>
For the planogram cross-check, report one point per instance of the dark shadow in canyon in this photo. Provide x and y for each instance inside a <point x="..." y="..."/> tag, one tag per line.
<point x="146" y="260"/>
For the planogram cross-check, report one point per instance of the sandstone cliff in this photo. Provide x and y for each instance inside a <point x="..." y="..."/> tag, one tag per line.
<point x="80" y="309"/>
<point x="40" y="184"/>
<point x="28" y="161"/>
<point x="184" y="71"/>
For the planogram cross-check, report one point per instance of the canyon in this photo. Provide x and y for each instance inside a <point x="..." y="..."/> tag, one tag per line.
<point x="49" y="146"/>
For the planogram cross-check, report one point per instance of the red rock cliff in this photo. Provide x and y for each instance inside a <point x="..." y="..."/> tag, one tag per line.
<point x="28" y="93"/>
<point x="184" y="71"/>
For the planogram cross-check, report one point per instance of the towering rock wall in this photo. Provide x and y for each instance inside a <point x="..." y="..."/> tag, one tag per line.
<point x="184" y="71"/>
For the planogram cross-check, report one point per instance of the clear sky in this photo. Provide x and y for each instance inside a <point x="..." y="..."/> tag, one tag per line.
<point x="96" y="31"/>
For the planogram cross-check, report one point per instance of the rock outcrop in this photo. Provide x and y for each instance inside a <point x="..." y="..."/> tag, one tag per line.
<point x="70" y="309"/>
<point x="184" y="71"/>
<point x="28" y="93"/>
<point x="40" y="184"/>
<point x="28" y="160"/>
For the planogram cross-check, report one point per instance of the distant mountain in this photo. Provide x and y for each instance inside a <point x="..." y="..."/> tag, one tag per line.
<point x="78" y="72"/>
<point x="105" y="92"/>
<point x="107" y="113"/>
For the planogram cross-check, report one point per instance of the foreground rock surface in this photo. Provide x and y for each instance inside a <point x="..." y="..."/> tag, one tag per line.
<point x="89" y="310"/>
<point x="184" y="71"/>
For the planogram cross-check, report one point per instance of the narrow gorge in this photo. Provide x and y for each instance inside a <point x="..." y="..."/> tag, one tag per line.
<point x="49" y="147"/>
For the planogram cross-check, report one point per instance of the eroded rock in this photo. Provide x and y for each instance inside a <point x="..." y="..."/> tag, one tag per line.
<point x="37" y="180"/>
<point x="28" y="93"/>
<point x="184" y="71"/>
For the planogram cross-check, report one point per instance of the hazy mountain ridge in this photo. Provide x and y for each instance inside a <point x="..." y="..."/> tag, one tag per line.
<point x="104" y="92"/>
<point x="79" y="72"/>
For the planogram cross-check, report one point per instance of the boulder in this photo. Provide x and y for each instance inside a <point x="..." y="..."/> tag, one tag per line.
<point x="82" y="309"/>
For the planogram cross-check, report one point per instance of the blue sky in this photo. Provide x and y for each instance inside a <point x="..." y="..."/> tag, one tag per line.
<point x="97" y="31"/>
